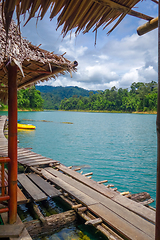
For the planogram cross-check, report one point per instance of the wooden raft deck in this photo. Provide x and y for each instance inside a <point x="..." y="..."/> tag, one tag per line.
<point x="128" y="219"/>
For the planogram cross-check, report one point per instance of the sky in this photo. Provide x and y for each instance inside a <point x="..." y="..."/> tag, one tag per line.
<point x="118" y="59"/>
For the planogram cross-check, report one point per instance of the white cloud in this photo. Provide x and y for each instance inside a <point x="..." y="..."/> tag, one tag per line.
<point x="117" y="60"/>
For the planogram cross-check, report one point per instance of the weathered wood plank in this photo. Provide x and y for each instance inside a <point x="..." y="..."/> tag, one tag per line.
<point x="122" y="226"/>
<point x="4" y="147"/>
<point x="127" y="203"/>
<point x="28" y="159"/>
<point x="21" y="198"/>
<point x="93" y="222"/>
<point x="44" y="186"/>
<point x="31" y="188"/>
<point x="31" y="154"/>
<point x="39" y="163"/>
<point x="28" y="156"/>
<point x="9" y="230"/>
<point x="24" y="235"/>
<point x="89" y="182"/>
<point x="86" y="200"/>
<point x="124" y="213"/>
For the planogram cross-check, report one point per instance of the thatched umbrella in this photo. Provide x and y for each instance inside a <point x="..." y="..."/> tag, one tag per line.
<point x="34" y="64"/>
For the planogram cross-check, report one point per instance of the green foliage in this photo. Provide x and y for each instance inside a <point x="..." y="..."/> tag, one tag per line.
<point x="3" y="106"/>
<point x="51" y="101"/>
<point x="29" y="98"/>
<point x="53" y="96"/>
<point x="142" y="97"/>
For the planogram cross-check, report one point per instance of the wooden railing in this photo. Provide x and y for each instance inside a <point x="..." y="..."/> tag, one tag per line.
<point x="4" y="183"/>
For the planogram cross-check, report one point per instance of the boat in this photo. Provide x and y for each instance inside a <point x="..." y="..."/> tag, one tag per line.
<point x="25" y="126"/>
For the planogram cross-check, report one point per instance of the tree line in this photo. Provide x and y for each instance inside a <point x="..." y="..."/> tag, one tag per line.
<point x="52" y="96"/>
<point x="141" y="97"/>
<point x="29" y="98"/>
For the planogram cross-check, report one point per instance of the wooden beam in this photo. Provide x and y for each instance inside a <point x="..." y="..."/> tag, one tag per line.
<point x="55" y="223"/>
<point x="147" y="27"/>
<point x="12" y="142"/>
<point x="123" y="9"/>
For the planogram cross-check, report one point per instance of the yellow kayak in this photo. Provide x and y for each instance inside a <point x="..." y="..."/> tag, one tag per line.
<point x="25" y="126"/>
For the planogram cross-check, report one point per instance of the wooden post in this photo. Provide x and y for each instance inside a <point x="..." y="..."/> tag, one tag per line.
<point x="12" y="142"/>
<point x="157" y="237"/>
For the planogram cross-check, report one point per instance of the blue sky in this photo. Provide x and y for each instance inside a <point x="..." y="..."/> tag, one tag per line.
<point x="117" y="60"/>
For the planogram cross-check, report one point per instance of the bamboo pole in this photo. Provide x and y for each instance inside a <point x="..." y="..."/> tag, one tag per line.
<point x="147" y="27"/>
<point x="157" y="236"/>
<point x="12" y="142"/>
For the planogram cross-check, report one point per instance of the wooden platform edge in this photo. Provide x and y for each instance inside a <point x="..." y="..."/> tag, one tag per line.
<point x="24" y="235"/>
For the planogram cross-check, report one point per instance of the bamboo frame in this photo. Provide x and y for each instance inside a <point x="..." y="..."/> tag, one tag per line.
<point x="124" y="9"/>
<point x="147" y="27"/>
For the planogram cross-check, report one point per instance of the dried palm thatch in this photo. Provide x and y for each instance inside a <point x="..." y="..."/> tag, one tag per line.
<point x="37" y="64"/>
<point x="34" y="64"/>
<point x="80" y="14"/>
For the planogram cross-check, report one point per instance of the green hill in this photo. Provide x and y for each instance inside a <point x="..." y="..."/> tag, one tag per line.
<point x="52" y="96"/>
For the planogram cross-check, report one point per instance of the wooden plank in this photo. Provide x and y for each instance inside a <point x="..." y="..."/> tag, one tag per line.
<point x="123" y="227"/>
<point x="31" y="188"/>
<point x="21" y="198"/>
<point x="24" y="160"/>
<point x="24" y="235"/>
<point x="44" y="186"/>
<point x="27" y="159"/>
<point x="29" y="156"/>
<point x="11" y="230"/>
<point x="127" y="203"/>
<point x="39" y="163"/>
<point x="4" y="147"/>
<point x="122" y="212"/>
<point x="83" y="198"/>
<point x="23" y="151"/>
<point x="89" y="182"/>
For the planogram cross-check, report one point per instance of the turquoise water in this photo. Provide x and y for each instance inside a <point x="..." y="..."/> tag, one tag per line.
<point x="121" y="148"/>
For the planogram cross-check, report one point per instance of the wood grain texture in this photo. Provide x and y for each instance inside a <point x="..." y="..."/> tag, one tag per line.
<point x="31" y="188"/>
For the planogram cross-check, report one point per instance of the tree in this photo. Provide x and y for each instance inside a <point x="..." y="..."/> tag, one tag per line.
<point x="29" y="98"/>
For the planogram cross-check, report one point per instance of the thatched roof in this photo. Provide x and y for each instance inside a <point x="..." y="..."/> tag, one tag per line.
<point x="34" y="64"/>
<point x="79" y="14"/>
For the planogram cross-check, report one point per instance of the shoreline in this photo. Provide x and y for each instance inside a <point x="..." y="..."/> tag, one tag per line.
<point x="93" y="111"/>
<point x="105" y="111"/>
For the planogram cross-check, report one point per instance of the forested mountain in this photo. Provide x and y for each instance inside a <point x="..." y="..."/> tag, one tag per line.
<point x="53" y="95"/>
<point x="64" y="92"/>
<point x="142" y="97"/>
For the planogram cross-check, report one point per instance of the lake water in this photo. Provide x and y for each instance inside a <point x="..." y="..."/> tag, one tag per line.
<point x="121" y="148"/>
